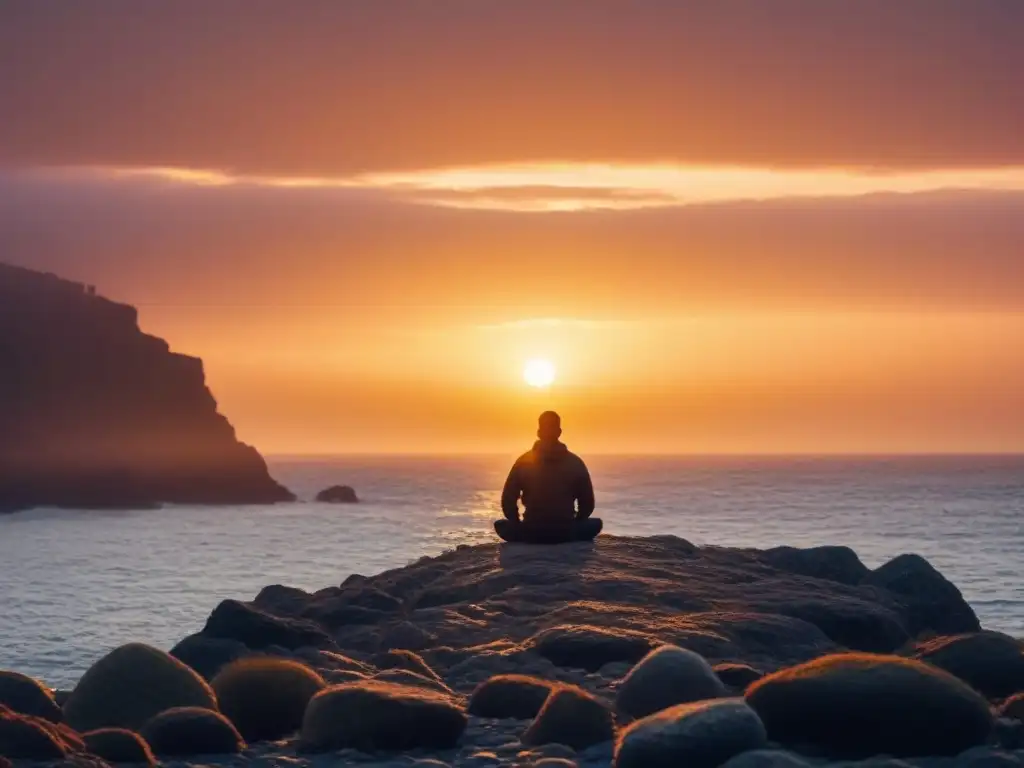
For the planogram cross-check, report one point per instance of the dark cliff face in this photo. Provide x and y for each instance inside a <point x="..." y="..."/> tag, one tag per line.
<point x="95" y="413"/>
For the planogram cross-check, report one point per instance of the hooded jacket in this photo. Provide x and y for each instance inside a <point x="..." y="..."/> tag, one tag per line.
<point x="554" y="484"/>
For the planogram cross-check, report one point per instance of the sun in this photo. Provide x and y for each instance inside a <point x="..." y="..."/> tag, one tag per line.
<point x="539" y="373"/>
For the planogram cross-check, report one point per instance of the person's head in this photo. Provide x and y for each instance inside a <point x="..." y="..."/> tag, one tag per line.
<point x="549" y="426"/>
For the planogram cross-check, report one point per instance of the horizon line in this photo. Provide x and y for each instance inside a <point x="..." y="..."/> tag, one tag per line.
<point x="669" y="455"/>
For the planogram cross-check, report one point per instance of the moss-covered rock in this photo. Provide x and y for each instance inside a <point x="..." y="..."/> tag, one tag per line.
<point x="517" y="697"/>
<point x="131" y="685"/>
<point x="118" y="745"/>
<point x="573" y="717"/>
<point x="185" y="731"/>
<point x="27" y="696"/>
<point x="374" y="715"/>
<point x="701" y="734"/>
<point x="265" y="697"/>
<point x="29" y="738"/>
<point x="859" y="705"/>
<point x="665" y="677"/>
<point x="991" y="662"/>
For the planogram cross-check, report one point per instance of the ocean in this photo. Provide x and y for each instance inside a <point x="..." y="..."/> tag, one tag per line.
<point x="75" y="584"/>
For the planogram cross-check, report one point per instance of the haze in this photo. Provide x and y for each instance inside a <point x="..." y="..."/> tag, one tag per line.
<point x="738" y="226"/>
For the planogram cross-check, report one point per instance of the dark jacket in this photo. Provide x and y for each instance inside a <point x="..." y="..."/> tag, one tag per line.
<point x="552" y="482"/>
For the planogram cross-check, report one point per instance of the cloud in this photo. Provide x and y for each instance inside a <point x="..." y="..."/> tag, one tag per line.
<point x="357" y="252"/>
<point x="335" y="87"/>
<point x="346" y="319"/>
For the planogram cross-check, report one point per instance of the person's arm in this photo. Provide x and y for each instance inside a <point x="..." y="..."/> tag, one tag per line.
<point x="510" y="495"/>
<point x="584" y="494"/>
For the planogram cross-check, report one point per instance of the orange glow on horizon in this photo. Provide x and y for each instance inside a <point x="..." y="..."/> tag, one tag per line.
<point x="561" y="187"/>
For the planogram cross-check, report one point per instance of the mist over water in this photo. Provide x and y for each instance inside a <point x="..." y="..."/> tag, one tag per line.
<point x="76" y="584"/>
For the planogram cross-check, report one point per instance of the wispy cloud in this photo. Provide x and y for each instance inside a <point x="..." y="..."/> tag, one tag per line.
<point x="586" y="186"/>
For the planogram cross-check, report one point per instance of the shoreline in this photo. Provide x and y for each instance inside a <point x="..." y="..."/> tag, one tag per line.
<point x="581" y="618"/>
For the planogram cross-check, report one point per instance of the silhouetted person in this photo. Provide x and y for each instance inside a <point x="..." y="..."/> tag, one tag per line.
<point x="555" y="487"/>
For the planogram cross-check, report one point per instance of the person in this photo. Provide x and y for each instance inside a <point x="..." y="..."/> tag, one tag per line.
<point x="556" y="491"/>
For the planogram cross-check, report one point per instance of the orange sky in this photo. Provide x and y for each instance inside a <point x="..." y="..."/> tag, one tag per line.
<point x="730" y="230"/>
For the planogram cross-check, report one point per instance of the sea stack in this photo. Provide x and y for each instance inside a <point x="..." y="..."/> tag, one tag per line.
<point x="94" y="413"/>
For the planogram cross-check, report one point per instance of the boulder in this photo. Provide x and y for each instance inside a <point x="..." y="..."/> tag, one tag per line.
<point x="573" y="717"/>
<point x="839" y="564"/>
<point x="859" y="705"/>
<point x="665" y="677"/>
<point x="1013" y="707"/>
<point x="280" y="600"/>
<point x="853" y="624"/>
<point x="118" y="745"/>
<point x="186" y="731"/>
<point x="371" y="716"/>
<point x="931" y="602"/>
<point x="991" y="662"/>
<point x="513" y="697"/>
<point x="737" y="676"/>
<point x="766" y="758"/>
<point x="132" y="684"/>
<point x="235" y="620"/>
<point x="23" y="737"/>
<point x="206" y="655"/>
<point x="588" y="647"/>
<point x="27" y="696"/>
<point x="338" y="494"/>
<point x="701" y="734"/>
<point x="403" y="659"/>
<point x="266" y="698"/>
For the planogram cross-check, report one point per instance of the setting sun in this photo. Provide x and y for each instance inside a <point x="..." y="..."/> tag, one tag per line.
<point x="539" y="373"/>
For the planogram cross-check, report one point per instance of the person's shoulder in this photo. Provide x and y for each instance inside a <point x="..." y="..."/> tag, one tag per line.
<point x="525" y="458"/>
<point x="577" y="460"/>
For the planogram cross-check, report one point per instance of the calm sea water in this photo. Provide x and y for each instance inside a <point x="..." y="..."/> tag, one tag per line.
<point x="74" y="584"/>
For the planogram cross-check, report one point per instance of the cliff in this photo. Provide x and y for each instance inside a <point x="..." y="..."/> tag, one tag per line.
<point x="94" y="413"/>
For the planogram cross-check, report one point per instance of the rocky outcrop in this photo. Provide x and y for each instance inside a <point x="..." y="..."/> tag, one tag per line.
<point x="542" y="656"/>
<point x="338" y="494"/>
<point x="579" y="609"/>
<point x="97" y="414"/>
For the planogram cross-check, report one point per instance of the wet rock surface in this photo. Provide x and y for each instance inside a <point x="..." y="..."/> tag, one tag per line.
<point x="520" y="656"/>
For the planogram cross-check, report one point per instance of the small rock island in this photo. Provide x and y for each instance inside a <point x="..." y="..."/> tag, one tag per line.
<point x="338" y="494"/>
<point x="95" y="413"/>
